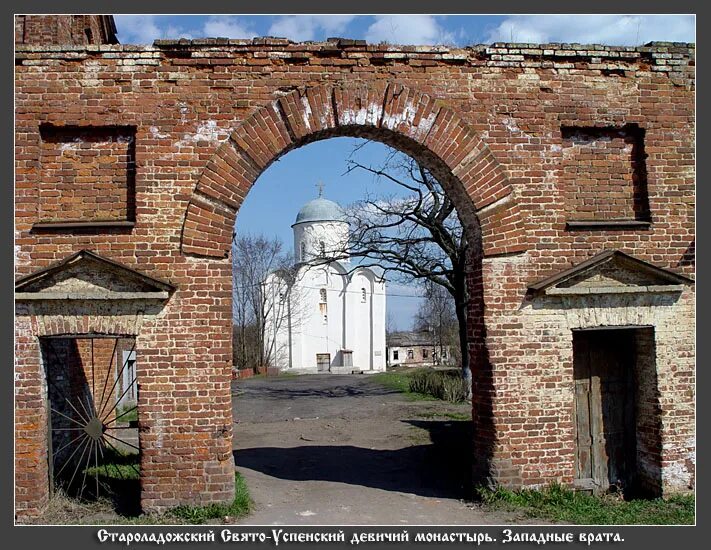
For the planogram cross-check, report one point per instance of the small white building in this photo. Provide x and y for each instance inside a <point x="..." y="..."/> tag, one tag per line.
<point x="416" y="349"/>
<point x="324" y="317"/>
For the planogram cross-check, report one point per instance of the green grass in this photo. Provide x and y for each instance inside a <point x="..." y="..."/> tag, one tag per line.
<point x="128" y="413"/>
<point x="400" y="381"/>
<point x="116" y="465"/>
<point x="425" y="384"/>
<point x="240" y="506"/>
<point x="446" y="385"/>
<point x="559" y="503"/>
<point x="115" y="471"/>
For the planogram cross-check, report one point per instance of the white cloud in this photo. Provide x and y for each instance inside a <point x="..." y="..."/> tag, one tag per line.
<point x="617" y="30"/>
<point x="225" y="26"/>
<point x="137" y="29"/>
<point x="172" y="31"/>
<point x="306" y="27"/>
<point x="144" y="29"/>
<point x="408" y="29"/>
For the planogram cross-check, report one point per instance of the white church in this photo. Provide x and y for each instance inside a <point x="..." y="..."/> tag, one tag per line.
<point x="324" y="316"/>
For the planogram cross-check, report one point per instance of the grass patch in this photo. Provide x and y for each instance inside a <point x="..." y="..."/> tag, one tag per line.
<point x="446" y="385"/>
<point x="115" y="471"/>
<point x="400" y="382"/>
<point x="425" y="384"/>
<point x="128" y="413"/>
<point x="560" y="503"/>
<point x="66" y="510"/>
<point x="240" y="506"/>
<point x="116" y="465"/>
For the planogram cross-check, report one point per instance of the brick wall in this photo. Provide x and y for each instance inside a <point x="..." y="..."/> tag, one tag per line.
<point x="542" y="438"/>
<point x="65" y="29"/>
<point x="86" y="173"/>
<point x="604" y="174"/>
<point x="211" y="115"/>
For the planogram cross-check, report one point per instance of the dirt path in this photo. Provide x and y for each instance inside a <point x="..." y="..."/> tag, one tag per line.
<point x="329" y="449"/>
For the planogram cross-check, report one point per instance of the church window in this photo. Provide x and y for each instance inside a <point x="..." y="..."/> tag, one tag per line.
<point x="323" y="296"/>
<point x="410" y="354"/>
<point x="425" y="353"/>
<point x="281" y="297"/>
<point x="362" y="295"/>
<point x="303" y="251"/>
<point x="322" y="248"/>
<point x="396" y="355"/>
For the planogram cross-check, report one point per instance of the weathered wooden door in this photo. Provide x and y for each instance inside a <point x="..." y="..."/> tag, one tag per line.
<point x="603" y="363"/>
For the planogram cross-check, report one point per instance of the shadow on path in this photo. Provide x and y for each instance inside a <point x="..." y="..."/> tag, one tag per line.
<point x="441" y="468"/>
<point x="287" y="392"/>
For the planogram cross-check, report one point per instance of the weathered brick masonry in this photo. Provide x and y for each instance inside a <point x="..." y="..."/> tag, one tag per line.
<point x="553" y="153"/>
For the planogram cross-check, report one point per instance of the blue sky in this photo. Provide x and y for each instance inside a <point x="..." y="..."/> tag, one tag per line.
<point x="271" y="206"/>
<point x="457" y="30"/>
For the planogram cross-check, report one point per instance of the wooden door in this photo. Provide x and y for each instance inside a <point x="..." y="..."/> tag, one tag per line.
<point x="603" y="363"/>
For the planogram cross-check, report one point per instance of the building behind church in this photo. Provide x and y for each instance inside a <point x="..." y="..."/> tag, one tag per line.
<point x="321" y="315"/>
<point x="417" y="349"/>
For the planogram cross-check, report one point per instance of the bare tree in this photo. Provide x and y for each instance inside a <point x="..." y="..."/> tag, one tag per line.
<point x="255" y="257"/>
<point x="416" y="237"/>
<point x="389" y="323"/>
<point x="283" y="313"/>
<point x="437" y="316"/>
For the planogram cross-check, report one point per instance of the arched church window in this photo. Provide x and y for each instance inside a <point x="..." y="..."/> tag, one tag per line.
<point x="322" y="248"/>
<point x="281" y="297"/>
<point x="323" y="295"/>
<point x="362" y="295"/>
<point x="303" y="251"/>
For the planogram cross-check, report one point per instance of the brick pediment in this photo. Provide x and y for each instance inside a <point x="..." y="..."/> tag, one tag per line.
<point x="88" y="276"/>
<point x="611" y="272"/>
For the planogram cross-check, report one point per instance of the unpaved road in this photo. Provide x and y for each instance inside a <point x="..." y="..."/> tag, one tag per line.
<point x="343" y="450"/>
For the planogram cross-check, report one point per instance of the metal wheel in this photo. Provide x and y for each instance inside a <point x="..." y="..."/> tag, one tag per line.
<point x="93" y="415"/>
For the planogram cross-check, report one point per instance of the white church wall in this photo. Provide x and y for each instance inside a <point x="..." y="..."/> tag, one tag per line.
<point x="329" y="309"/>
<point x="366" y="321"/>
<point x="379" y="317"/>
<point x="322" y="327"/>
<point x="362" y="356"/>
<point x="336" y="313"/>
<point x="298" y="316"/>
<point x="333" y="235"/>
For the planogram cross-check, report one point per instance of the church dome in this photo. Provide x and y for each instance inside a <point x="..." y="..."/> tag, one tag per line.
<point x="320" y="210"/>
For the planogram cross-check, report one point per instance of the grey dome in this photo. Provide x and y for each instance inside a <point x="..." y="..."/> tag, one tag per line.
<point x="320" y="210"/>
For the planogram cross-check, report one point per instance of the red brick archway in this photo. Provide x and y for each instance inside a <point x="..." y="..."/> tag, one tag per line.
<point x="552" y="154"/>
<point x="392" y="113"/>
<point x="410" y="121"/>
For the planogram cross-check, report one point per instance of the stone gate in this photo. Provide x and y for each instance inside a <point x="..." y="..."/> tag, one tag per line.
<point x="573" y="167"/>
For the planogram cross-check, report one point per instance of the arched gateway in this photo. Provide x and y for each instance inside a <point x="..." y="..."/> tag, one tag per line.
<point x="575" y="183"/>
